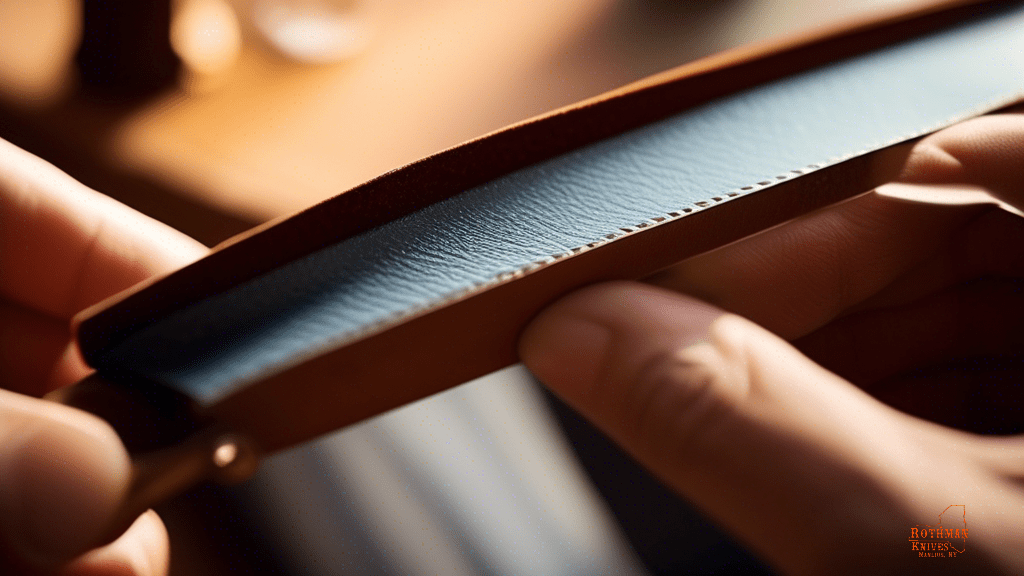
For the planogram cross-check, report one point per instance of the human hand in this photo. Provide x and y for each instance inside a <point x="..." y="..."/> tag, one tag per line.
<point x="64" y="472"/>
<point x="796" y="447"/>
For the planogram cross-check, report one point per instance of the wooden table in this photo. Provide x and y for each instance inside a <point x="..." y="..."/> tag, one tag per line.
<point x="274" y="136"/>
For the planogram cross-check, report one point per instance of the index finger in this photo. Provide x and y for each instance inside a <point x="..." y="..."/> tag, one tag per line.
<point x="64" y="246"/>
<point x="987" y="152"/>
<point x="797" y="277"/>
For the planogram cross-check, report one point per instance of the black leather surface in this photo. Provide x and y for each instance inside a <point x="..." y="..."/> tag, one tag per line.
<point x="694" y="161"/>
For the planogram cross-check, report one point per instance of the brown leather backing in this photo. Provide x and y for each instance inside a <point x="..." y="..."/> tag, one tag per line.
<point x="402" y="191"/>
<point x="477" y="333"/>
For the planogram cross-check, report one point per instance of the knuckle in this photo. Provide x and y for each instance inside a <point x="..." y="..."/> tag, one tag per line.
<point x="687" y="397"/>
<point x="931" y="157"/>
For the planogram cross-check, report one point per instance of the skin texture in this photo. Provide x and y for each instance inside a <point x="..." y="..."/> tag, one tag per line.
<point x="64" y="472"/>
<point x="777" y="382"/>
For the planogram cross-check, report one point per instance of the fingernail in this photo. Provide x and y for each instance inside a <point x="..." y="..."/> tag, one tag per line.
<point x="141" y="551"/>
<point x="565" y="350"/>
<point x="59" y="485"/>
<point x="567" y="346"/>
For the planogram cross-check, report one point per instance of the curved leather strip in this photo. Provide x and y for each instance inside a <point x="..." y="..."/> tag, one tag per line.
<point x="436" y="297"/>
<point x="450" y="172"/>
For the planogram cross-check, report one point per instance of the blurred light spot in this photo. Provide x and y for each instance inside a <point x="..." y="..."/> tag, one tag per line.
<point x="225" y="454"/>
<point x="206" y="36"/>
<point x="39" y="38"/>
<point x="311" y="31"/>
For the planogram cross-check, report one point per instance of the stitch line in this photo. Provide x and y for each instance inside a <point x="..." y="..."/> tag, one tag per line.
<point x="509" y="275"/>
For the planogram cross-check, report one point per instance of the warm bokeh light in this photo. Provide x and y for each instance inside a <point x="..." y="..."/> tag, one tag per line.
<point x="225" y="455"/>
<point x="206" y="35"/>
<point x="313" y="31"/>
<point x="38" y="39"/>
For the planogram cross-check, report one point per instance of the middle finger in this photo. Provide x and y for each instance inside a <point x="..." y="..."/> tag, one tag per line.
<point x="797" y="277"/>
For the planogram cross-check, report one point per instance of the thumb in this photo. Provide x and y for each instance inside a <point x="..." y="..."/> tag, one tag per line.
<point x="62" y="475"/>
<point x="774" y="447"/>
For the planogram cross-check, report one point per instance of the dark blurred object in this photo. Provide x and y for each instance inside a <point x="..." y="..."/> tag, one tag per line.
<point x="126" y="52"/>
<point x="667" y="533"/>
<point x="211" y="536"/>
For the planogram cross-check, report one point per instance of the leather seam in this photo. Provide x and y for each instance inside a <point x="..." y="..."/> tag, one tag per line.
<point x="622" y="232"/>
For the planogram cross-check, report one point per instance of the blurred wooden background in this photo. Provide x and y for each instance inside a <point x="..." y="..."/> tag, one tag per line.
<point x="264" y="135"/>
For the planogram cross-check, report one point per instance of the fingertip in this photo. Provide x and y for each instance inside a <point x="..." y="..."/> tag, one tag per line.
<point x="567" y="345"/>
<point x="64" y="474"/>
<point x="143" y="550"/>
<point x="564" y="350"/>
<point x="130" y="248"/>
<point x="69" y="369"/>
<point x="58" y="228"/>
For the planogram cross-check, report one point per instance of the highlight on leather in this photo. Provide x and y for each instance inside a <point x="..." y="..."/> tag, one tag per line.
<point x="364" y="303"/>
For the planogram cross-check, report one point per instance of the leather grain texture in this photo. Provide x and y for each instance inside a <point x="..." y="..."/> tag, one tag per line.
<point x="361" y="319"/>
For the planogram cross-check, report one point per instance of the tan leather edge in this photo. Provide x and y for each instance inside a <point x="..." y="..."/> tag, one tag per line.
<point x="447" y="173"/>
